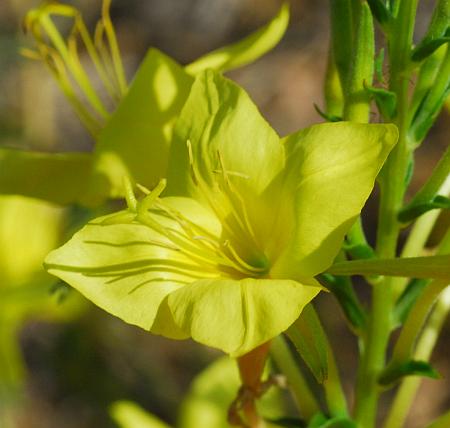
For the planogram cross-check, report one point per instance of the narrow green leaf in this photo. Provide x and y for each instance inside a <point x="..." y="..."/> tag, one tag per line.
<point x="432" y="102"/>
<point x="432" y="267"/>
<point x="247" y="50"/>
<point x="407" y="299"/>
<point x="395" y="373"/>
<point x="379" y="11"/>
<point x="347" y="298"/>
<point x="337" y="422"/>
<point x="287" y="422"/>
<point x="409" y="169"/>
<point x="386" y="101"/>
<point x="359" y="251"/>
<point x="379" y="61"/>
<point x="410" y="213"/>
<point x="61" y="178"/>
<point x="437" y="30"/>
<point x="326" y="116"/>
<point x="425" y="49"/>
<point x="307" y="336"/>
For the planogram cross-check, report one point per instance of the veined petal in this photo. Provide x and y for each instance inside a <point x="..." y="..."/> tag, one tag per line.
<point x="237" y="316"/>
<point x="220" y="120"/>
<point x="331" y="170"/>
<point x="222" y="138"/>
<point x="136" y="140"/>
<point x="129" y="269"/>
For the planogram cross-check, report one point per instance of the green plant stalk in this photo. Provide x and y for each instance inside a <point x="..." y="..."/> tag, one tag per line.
<point x="418" y="237"/>
<point x="334" y="98"/>
<point x="11" y="372"/>
<point x="411" y="332"/>
<point x="425" y="79"/>
<point x="305" y="400"/>
<point x="404" y="346"/>
<point x="334" y="394"/>
<point x="392" y="187"/>
<point x="417" y="317"/>
<point x="357" y="99"/>
<point x="432" y="104"/>
<point x="425" y="345"/>
<point x="327" y="370"/>
<point x="341" y="37"/>
<point x="435" y="182"/>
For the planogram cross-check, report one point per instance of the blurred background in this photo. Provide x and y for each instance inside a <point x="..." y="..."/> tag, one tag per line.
<point x="78" y="359"/>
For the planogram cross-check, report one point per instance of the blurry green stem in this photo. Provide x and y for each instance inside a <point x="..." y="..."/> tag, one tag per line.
<point x="284" y="360"/>
<point x="11" y="372"/>
<point x="418" y="237"/>
<point x="435" y="182"/>
<point x="409" y="334"/>
<point x="405" y="344"/>
<point x="334" y="394"/>
<point x="419" y="313"/>
<point x="425" y="345"/>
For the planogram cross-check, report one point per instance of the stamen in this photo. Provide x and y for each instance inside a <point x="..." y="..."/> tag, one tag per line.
<point x="61" y="56"/>
<point x="191" y="162"/>
<point x="251" y="268"/>
<point x="129" y="194"/>
<point x="233" y="195"/>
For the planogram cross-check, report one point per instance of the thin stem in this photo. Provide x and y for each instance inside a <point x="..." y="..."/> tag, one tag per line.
<point x="305" y="400"/>
<point x="416" y="319"/>
<point x="11" y="372"/>
<point x="419" y="235"/>
<point x="426" y="343"/>
<point x="392" y="188"/>
<point x="435" y="182"/>
<point x="357" y="102"/>
<point x="334" y="394"/>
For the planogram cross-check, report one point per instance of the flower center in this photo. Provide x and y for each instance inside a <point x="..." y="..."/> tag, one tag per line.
<point x="234" y="254"/>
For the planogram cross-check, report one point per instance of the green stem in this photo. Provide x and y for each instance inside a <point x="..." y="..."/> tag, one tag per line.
<point x="432" y="103"/>
<point x="334" y="394"/>
<point x="334" y="98"/>
<point x="419" y="234"/>
<point x="435" y="182"/>
<point x="284" y="360"/>
<point x="11" y="372"/>
<point x="417" y="317"/>
<point x="392" y="188"/>
<point x="426" y="343"/>
<point x="357" y="99"/>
